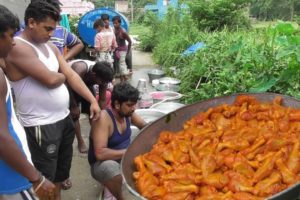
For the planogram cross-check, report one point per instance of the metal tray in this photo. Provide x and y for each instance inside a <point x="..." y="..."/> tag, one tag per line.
<point x="174" y="121"/>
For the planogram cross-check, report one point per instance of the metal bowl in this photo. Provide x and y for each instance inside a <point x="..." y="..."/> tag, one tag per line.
<point x="163" y="95"/>
<point x="167" y="87"/>
<point x="169" y="80"/>
<point x="167" y="107"/>
<point x="174" y="122"/>
<point x="155" y="74"/>
<point x="149" y="115"/>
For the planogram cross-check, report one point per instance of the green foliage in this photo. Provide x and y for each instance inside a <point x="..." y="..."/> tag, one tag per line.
<point x="275" y="9"/>
<point x="217" y="14"/>
<point x="265" y="61"/>
<point x="73" y="20"/>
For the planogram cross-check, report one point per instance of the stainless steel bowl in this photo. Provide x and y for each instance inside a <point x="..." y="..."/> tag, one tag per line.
<point x="168" y="96"/>
<point x="169" y="80"/>
<point x="174" y="122"/>
<point x="167" y="87"/>
<point x="149" y="115"/>
<point x="155" y="74"/>
<point x="167" y="107"/>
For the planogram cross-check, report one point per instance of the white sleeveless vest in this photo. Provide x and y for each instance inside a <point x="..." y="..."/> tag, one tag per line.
<point x="36" y="103"/>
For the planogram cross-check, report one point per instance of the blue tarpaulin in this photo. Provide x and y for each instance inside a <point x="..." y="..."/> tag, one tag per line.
<point x="192" y="49"/>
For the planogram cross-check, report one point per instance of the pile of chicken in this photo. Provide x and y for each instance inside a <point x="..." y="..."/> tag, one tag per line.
<point x="245" y="151"/>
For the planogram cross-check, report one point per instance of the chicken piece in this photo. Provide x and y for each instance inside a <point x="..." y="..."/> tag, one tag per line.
<point x="154" y="167"/>
<point x="174" y="187"/>
<point x="147" y="183"/>
<point x="276" y="144"/>
<point x="220" y="121"/>
<point x="294" y="115"/>
<point x="259" y="142"/>
<point x="235" y="145"/>
<point x="176" y="196"/>
<point x="167" y="154"/>
<point x="206" y="190"/>
<point x="216" y="196"/>
<point x="263" y="185"/>
<point x="160" y="161"/>
<point x="275" y="188"/>
<point x="265" y="170"/>
<point x="184" y="176"/>
<point x="140" y="165"/>
<point x="242" y="167"/>
<point x="241" y="99"/>
<point x="287" y="176"/>
<point x="208" y="164"/>
<point x="194" y="158"/>
<point x="293" y="163"/>
<point x="216" y="180"/>
<point x="157" y="193"/>
<point x="238" y="183"/>
<point x="245" y="196"/>
<point x="166" y="136"/>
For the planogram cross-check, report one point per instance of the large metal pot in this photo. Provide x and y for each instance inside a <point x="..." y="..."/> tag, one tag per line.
<point x="155" y="74"/>
<point x="174" y="122"/>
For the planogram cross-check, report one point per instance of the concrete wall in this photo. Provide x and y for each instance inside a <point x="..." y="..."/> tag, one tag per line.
<point x="16" y="6"/>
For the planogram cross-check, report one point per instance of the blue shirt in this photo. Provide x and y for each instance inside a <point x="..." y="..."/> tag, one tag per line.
<point x="11" y="181"/>
<point x="62" y="37"/>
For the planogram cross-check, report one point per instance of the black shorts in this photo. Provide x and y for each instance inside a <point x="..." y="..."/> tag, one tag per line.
<point x="51" y="148"/>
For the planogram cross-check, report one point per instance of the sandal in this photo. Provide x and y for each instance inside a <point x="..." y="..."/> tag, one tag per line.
<point x="66" y="184"/>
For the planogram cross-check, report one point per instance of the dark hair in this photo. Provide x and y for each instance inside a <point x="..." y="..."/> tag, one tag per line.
<point x="39" y="10"/>
<point x="123" y="92"/>
<point x="117" y="17"/>
<point x="104" y="17"/>
<point x="97" y="23"/>
<point x="8" y="20"/>
<point x="104" y="71"/>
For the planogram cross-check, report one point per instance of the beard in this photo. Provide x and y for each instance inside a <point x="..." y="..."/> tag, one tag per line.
<point x="125" y="114"/>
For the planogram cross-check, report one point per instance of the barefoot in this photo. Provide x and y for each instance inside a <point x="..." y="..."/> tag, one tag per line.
<point x="66" y="184"/>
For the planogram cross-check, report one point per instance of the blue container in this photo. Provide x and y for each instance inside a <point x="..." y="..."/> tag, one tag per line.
<point x="86" y="22"/>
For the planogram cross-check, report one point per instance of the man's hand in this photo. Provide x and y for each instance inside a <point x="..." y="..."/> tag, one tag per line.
<point x="75" y="112"/>
<point x="45" y="190"/>
<point x="95" y="111"/>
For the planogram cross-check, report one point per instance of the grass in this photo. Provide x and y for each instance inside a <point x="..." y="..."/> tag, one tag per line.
<point x="265" y="24"/>
<point x="137" y="29"/>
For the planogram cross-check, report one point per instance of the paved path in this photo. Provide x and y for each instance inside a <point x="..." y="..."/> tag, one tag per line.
<point x="84" y="186"/>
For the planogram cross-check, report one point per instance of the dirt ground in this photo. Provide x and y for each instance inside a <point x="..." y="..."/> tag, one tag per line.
<point x="84" y="186"/>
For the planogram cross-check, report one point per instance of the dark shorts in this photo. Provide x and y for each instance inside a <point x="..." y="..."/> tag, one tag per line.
<point x="23" y="195"/>
<point x="51" y="148"/>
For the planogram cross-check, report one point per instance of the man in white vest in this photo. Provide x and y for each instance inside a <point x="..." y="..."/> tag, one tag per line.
<point x="37" y="72"/>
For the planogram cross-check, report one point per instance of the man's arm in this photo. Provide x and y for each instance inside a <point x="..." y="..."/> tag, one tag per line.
<point x="138" y="121"/>
<point x="126" y="36"/>
<point x="74" y="45"/>
<point x="23" y="61"/>
<point x="76" y="83"/>
<point x="97" y="42"/>
<point x="8" y="146"/>
<point x="100" y="134"/>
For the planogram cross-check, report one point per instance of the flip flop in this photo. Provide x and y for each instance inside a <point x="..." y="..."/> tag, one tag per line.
<point x="66" y="184"/>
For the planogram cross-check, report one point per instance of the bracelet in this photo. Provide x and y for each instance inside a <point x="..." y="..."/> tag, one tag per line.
<point x="39" y="179"/>
<point x="40" y="184"/>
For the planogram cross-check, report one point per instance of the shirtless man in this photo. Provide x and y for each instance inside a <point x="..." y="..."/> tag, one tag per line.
<point x="37" y="72"/>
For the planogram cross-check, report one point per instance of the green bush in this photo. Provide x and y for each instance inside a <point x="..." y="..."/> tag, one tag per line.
<point x="217" y="14"/>
<point x="73" y="20"/>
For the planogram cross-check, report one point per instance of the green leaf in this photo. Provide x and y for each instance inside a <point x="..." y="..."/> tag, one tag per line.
<point x="264" y="85"/>
<point x="289" y="72"/>
<point x="285" y="28"/>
